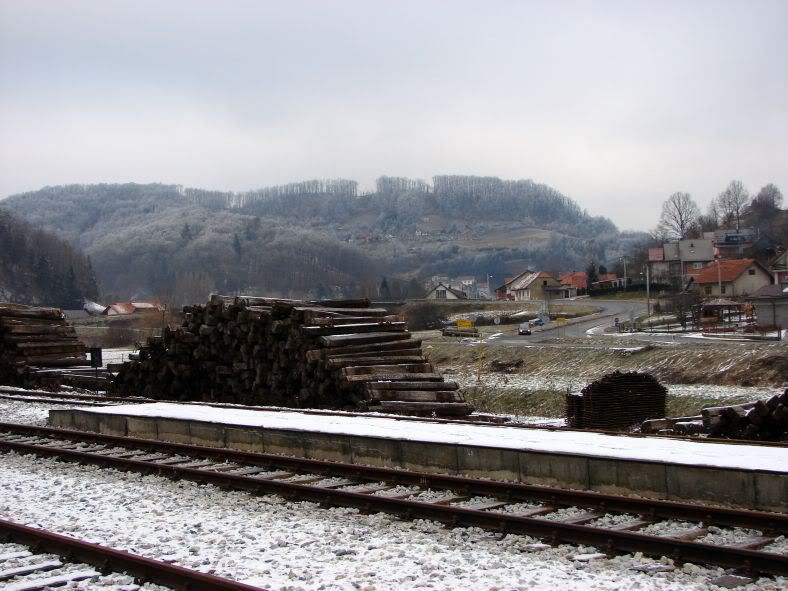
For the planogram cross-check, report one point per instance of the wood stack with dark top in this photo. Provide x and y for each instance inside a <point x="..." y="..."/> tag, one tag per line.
<point x="34" y="342"/>
<point x="617" y="401"/>
<point x="267" y="351"/>
<point x="761" y="420"/>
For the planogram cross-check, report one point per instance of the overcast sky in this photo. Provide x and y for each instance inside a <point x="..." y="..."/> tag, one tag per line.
<point x="616" y="104"/>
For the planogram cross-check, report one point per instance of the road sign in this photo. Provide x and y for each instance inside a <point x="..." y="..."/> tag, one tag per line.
<point x="497" y="320"/>
<point x="464" y="324"/>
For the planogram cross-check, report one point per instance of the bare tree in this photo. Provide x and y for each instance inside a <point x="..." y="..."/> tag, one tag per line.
<point x="769" y="196"/>
<point x="732" y="201"/>
<point x="679" y="215"/>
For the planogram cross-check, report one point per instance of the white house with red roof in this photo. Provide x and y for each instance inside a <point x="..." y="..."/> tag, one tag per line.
<point x="731" y="278"/>
<point x="532" y="285"/>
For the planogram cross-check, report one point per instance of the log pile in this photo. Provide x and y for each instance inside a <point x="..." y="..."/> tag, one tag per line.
<point x="761" y="420"/>
<point x="617" y="401"/>
<point x="460" y="332"/>
<point x="317" y="354"/>
<point x="35" y="342"/>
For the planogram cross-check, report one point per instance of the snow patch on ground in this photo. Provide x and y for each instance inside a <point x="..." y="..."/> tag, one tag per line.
<point x="29" y="413"/>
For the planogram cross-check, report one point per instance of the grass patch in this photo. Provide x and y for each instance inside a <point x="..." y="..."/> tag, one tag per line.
<point x="539" y="403"/>
<point x="551" y="403"/>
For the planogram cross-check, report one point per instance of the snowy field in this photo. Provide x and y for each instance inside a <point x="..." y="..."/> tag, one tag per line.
<point x="573" y="383"/>
<point x="298" y="546"/>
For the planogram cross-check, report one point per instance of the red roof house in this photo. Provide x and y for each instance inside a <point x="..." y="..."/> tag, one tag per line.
<point x="731" y="277"/>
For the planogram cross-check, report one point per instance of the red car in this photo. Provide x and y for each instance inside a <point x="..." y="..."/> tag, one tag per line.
<point x="524" y="329"/>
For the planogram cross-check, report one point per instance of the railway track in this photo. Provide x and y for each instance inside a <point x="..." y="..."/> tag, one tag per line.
<point x="487" y="420"/>
<point x="611" y="523"/>
<point x="32" y="570"/>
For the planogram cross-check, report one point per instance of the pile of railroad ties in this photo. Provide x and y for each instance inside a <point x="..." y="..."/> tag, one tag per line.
<point x="617" y="401"/>
<point x="762" y="420"/>
<point x="340" y="354"/>
<point x="38" y="347"/>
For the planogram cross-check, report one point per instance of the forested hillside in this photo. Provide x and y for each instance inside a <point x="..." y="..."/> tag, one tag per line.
<point x="319" y="238"/>
<point x="37" y="267"/>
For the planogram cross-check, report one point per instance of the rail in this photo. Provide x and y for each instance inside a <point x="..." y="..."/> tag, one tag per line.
<point x="263" y="474"/>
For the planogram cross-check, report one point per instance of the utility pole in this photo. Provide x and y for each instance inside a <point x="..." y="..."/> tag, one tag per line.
<point x="624" y="260"/>
<point x="719" y="275"/>
<point x="648" y="291"/>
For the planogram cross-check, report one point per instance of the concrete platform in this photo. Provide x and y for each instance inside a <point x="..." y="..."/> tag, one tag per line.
<point x="733" y="474"/>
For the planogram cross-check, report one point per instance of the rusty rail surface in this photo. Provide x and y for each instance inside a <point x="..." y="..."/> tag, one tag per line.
<point x="609" y="540"/>
<point x="111" y="560"/>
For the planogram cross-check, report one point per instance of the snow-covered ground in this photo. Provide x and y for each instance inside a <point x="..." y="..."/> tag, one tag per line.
<point x="573" y="383"/>
<point x="85" y="577"/>
<point x="298" y="546"/>
<point x="29" y="413"/>
<point x="119" y="355"/>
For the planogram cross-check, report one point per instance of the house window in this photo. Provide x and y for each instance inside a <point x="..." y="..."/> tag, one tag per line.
<point x="751" y="271"/>
<point x="440" y="294"/>
<point x="722" y="289"/>
<point x="708" y="290"/>
<point x="697" y="265"/>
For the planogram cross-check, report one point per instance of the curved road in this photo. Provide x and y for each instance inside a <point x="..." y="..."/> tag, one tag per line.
<point x="611" y="309"/>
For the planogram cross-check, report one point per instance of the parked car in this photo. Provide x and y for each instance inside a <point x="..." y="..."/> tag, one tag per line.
<point x="524" y="328"/>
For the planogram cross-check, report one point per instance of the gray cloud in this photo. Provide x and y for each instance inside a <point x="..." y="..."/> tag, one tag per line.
<point x="617" y="104"/>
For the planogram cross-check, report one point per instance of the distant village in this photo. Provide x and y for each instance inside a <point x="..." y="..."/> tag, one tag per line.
<point x="712" y="270"/>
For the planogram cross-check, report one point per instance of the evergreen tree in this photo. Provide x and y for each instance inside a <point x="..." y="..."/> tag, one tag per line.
<point x="237" y="245"/>
<point x="592" y="274"/>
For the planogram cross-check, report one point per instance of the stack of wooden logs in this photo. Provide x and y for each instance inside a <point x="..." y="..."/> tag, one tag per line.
<point x="761" y="420"/>
<point x="460" y="332"/>
<point x="317" y="354"/>
<point x="617" y="401"/>
<point x="34" y="343"/>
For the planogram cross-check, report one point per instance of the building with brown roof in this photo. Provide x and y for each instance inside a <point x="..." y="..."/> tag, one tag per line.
<point x="576" y="282"/>
<point x="532" y="285"/>
<point x="731" y="278"/>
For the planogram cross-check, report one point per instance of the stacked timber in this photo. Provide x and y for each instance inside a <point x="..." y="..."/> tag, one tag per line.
<point x="460" y="332"/>
<point x="761" y="420"/>
<point x="36" y="341"/>
<point x="301" y="354"/>
<point x="617" y="401"/>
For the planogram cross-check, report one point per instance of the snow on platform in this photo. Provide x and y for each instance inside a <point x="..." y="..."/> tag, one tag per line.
<point x="650" y="449"/>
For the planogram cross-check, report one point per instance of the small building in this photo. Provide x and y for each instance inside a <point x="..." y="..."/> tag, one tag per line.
<point x="467" y="285"/>
<point x="531" y="285"/>
<point x="675" y="260"/>
<point x="576" y="281"/>
<point x="778" y="266"/>
<point x="443" y="292"/>
<point x="771" y="306"/>
<point x="731" y="243"/>
<point x="731" y="278"/>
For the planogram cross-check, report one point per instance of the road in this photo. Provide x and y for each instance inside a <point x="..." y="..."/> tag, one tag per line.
<point x="611" y="309"/>
<point x="595" y="324"/>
